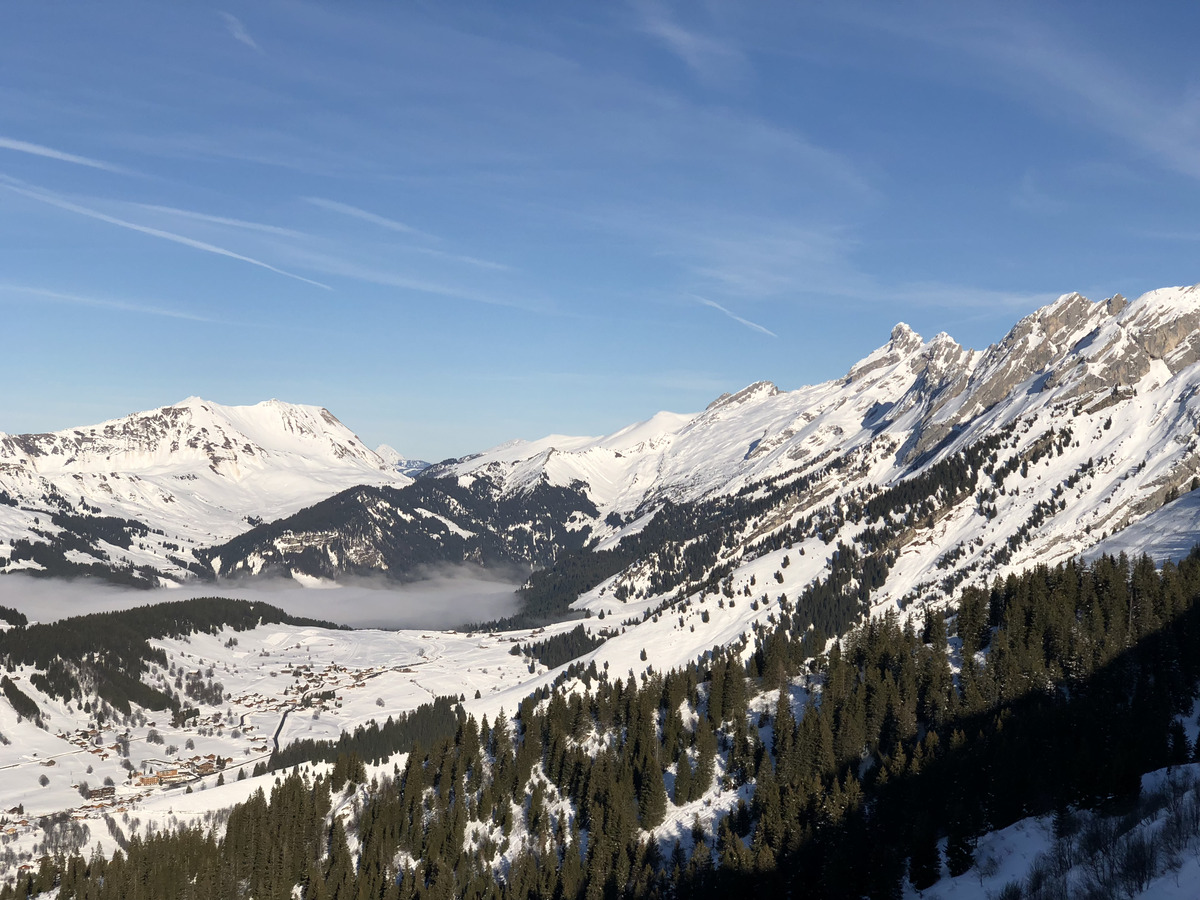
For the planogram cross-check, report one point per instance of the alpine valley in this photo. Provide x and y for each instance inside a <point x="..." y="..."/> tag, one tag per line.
<point x="931" y="626"/>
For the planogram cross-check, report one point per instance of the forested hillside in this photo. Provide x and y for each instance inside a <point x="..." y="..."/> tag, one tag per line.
<point x="835" y="776"/>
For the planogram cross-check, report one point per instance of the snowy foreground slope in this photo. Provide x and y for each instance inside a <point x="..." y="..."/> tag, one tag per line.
<point x="1169" y="533"/>
<point x="146" y="489"/>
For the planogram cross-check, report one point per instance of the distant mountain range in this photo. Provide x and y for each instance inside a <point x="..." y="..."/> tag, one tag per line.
<point x="938" y="463"/>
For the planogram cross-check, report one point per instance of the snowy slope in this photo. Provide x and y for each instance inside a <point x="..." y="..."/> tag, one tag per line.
<point x="197" y="472"/>
<point x="1170" y="533"/>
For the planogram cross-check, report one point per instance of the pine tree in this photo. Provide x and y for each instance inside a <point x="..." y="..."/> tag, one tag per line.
<point x="683" y="780"/>
<point x="924" y="867"/>
<point x="652" y="798"/>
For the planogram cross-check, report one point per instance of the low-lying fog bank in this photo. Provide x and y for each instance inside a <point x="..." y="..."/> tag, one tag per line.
<point x="444" y="600"/>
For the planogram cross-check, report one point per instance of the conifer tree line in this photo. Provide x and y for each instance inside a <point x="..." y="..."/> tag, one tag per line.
<point x="855" y="763"/>
<point x="425" y="725"/>
<point x="559" y="649"/>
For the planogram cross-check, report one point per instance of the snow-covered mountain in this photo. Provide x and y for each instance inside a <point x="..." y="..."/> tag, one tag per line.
<point x="147" y="489"/>
<point x="1120" y="377"/>
<point x="918" y="392"/>
<point x="939" y="463"/>
<point x="402" y="464"/>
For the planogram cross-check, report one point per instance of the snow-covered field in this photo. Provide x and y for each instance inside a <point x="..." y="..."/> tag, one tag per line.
<point x="1168" y="534"/>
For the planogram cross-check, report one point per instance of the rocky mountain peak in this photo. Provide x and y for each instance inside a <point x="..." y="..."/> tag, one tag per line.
<point x="902" y="343"/>
<point x="1165" y="325"/>
<point x="757" y="391"/>
<point x="904" y="339"/>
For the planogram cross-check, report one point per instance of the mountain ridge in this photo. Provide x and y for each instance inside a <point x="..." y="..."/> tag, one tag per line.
<point x="1088" y="413"/>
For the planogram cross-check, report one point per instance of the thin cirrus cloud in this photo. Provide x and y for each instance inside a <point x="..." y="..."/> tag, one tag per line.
<point x="754" y="326"/>
<point x="392" y="225"/>
<point x="711" y="59"/>
<point x="60" y="155"/>
<point x="458" y="257"/>
<point x="333" y="265"/>
<point x="238" y="31"/>
<point x="1047" y="64"/>
<point x="157" y="232"/>
<point x="101" y="303"/>
<point x="222" y="220"/>
<point x="347" y="210"/>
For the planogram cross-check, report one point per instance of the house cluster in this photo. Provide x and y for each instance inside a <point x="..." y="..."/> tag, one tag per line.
<point x="308" y="681"/>
<point x="15" y="826"/>
<point x="257" y="702"/>
<point x="212" y="720"/>
<point x="156" y="773"/>
<point x="92" y="740"/>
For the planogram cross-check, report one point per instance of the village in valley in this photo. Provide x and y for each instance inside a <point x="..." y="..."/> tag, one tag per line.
<point x="85" y="774"/>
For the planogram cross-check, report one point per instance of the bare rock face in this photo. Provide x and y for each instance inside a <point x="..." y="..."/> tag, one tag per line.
<point x="1073" y="347"/>
<point x="1127" y="339"/>
<point x="1167" y="326"/>
<point x="755" y="392"/>
<point x="1034" y="343"/>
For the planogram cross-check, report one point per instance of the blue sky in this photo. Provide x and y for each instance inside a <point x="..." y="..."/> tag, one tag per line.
<point x="456" y="224"/>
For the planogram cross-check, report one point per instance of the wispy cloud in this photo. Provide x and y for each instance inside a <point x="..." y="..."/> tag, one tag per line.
<point x="1112" y="100"/>
<point x="222" y="220"/>
<point x="347" y="210"/>
<point x="1047" y="67"/>
<point x="751" y="325"/>
<point x="121" y="305"/>
<point x="960" y="296"/>
<point x="772" y="259"/>
<point x="775" y="261"/>
<point x="712" y="59"/>
<point x="458" y="257"/>
<point x="67" y="205"/>
<point x="393" y="225"/>
<point x="238" y="31"/>
<point x="61" y="156"/>
<point x="333" y="265"/>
